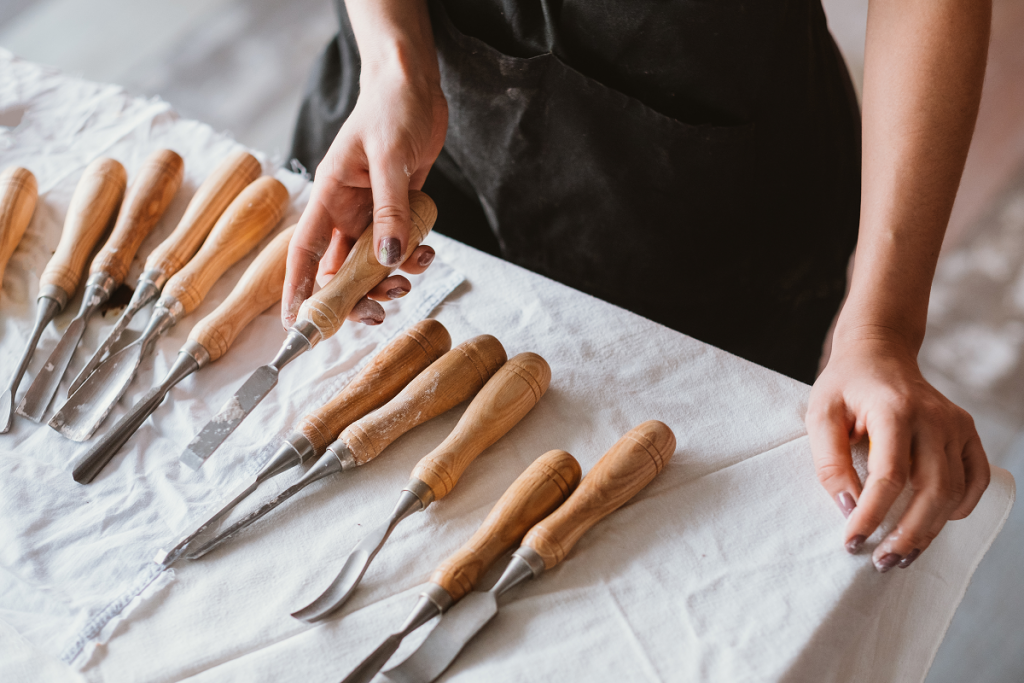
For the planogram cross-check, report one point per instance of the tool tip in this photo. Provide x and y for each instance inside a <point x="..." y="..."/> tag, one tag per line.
<point x="191" y="460"/>
<point x="6" y="411"/>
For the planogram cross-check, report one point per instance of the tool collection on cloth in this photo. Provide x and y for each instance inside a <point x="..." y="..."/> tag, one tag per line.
<point x="413" y="379"/>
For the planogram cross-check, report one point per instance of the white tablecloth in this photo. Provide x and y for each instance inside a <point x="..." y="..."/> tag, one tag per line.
<point x="728" y="567"/>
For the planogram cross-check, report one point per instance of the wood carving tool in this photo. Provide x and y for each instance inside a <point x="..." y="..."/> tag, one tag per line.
<point x="144" y="204"/>
<point x="209" y="202"/>
<point x="455" y="377"/>
<point x="620" y="474"/>
<point x="249" y="218"/>
<point x="319" y="318"/>
<point x="18" y="195"/>
<point x="505" y="400"/>
<point x="402" y="359"/>
<point x="545" y="485"/>
<point x="96" y="198"/>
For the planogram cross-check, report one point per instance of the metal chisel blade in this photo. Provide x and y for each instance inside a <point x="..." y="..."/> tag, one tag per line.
<point x="39" y="395"/>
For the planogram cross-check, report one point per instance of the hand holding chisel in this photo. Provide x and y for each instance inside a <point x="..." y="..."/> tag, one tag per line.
<point x="18" y="195"/>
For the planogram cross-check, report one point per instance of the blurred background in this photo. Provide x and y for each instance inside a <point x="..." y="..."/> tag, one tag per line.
<point x="241" y="65"/>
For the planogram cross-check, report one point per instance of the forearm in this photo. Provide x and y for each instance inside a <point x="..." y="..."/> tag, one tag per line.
<point x="395" y="37"/>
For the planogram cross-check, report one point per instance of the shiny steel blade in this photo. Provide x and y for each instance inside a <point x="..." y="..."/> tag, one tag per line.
<point x="46" y="308"/>
<point x="369" y="667"/>
<point x="427" y="607"/>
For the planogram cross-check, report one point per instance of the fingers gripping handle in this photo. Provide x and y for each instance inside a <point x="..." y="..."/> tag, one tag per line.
<point x="535" y="494"/>
<point x="361" y="271"/>
<point x="455" y="377"/>
<point x="506" y="398"/>
<point x="620" y="474"/>
<point x="377" y="383"/>
<point x="18" y="195"/>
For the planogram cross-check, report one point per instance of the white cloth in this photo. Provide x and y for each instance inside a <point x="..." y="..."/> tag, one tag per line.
<point x="728" y="567"/>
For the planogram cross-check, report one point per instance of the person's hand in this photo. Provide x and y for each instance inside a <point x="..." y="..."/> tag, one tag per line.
<point x="873" y="388"/>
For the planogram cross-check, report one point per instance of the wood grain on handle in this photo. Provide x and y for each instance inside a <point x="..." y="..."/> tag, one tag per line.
<point x="541" y="488"/>
<point x="361" y="271"/>
<point x="209" y="202"/>
<point x="18" y="195"/>
<point x="258" y="289"/>
<point x="620" y="474"/>
<point x="377" y="383"/>
<point x="455" y="377"/>
<point x="96" y="198"/>
<point x="249" y="218"/>
<point x="144" y="204"/>
<point x="505" y="400"/>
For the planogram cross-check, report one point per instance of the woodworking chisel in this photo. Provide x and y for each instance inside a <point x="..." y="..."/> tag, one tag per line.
<point x="18" y="195"/>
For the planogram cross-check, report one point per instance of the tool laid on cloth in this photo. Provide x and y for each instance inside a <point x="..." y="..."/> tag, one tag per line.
<point x="209" y="202"/>
<point x="380" y="380"/>
<point x="320" y="317"/>
<point x="18" y="195"/>
<point x="620" y="474"/>
<point x="96" y="198"/>
<point x="144" y="204"/>
<point x="249" y="218"/>
<point x="505" y="400"/>
<point x="454" y="378"/>
<point x="535" y="494"/>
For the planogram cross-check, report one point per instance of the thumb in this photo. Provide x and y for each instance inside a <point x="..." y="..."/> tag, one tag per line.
<point x="389" y="183"/>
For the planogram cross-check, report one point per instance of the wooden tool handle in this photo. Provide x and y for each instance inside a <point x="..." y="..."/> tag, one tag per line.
<point x="258" y="289"/>
<point x="209" y="202"/>
<point x="377" y="383"/>
<point x="455" y="377"/>
<point x="506" y="398"/>
<point x="534" y="495"/>
<point x="627" y="467"/>
<point x="361" y="271"/>
<point x="249" y="218"/>
<point x="18" y="195"/>
<point x="144" y="204"/>
<point x="96" y="198"/>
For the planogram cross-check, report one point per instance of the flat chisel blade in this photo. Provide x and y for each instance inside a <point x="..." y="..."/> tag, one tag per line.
<point x="44" y="386"/>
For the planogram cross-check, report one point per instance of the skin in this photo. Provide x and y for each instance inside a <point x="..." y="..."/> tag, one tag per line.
<point x="924" y="67"/>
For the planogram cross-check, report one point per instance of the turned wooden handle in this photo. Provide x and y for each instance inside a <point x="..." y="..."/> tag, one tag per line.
<point x="627" y="467"/>
<point x="505" y="400"/>
<point x="258" y="289"/>
<point x="377" y="383"/>
<point x="18" y="195"/>
<point x="249" y="218"/>
<point x="361" y="271"/>
<point x="144" y="204"/>
<point x="96" y="198"/>
<point x="534" y="495"/>
<point x="209" y="202"/>
<point x="455" y="377"/>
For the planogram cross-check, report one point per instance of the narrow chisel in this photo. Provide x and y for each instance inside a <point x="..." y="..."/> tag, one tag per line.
<point x="209" y="202"/>
<point x="249" y="218"/>
<point x="452" y="379"/>
<point x="383" y="377"/>
<point x="144" y="204"/>
<point x="94" y="202"/>
<point x="18" y="195"/>
<point x="319" y="318"/>
<point x="541" y="488"/>
<point x="620" y="474"/>
<point x="505" y="400"/>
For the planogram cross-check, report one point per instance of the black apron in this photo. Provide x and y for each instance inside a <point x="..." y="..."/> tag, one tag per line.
<point x="695" y="162"/>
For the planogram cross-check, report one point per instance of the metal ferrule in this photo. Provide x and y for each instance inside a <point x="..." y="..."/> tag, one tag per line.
<point x="184" y="365"/>
<point x="421" y="491"/>
<point x="161" y="320"/>
<point x="298" y="342"/>
<point x="54" y="292"/>
<point x="172" y="306"/>
<point x="516" y="572"/>
<point x="146" y="289"/>
<point x="198" y="353"/>
<point x="326" y="465"/>
<point x="309" y="331"/>
<point x="290" y="454"/>
<point x="157" y="277"/>
<point x="340" y="450"/>
<point x="408" y="503"/>
<point x="303" y="448"/>
<point x="532" y="558"/>
<point x="437" y="595"/>
<point x="425" y="610"/>
<point x="102" y="282"/>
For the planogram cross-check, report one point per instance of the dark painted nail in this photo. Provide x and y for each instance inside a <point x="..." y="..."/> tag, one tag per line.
<point x="390" y="251"/>
<point x="887" y="562"/>
<point x="905" y="562"/>
<point x="846" y="503"/>
<point x="371" y="321"/>
<point x="854" y="544"/>
<point x="426" y="258"/>
<point x="397" y="293"/>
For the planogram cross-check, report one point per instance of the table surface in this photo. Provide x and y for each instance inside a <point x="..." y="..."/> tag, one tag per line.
<point x="728" y="567"/>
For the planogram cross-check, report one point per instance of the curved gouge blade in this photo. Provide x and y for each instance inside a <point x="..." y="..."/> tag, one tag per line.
<point x="46" y="308"/>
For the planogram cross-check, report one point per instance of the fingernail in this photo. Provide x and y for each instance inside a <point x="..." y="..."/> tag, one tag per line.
<point x="846" y="503"/>
<point x="397" y="293"/>
<point x="905" y="562"/>
<point x="370" y="321"/>
<point x="887" y="562"/>
<point x="390" y="251"/>
<point x="853" y="546"/>
<point x="426" y="258"/>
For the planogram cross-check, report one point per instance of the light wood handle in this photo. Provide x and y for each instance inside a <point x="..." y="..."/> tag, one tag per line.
<point x="144" y="204"/>
<point x="18" y="195"/>
<point x="361" y="271"/>
<point x="208" y="203"/>
<point x="534" y="495"/>
<point x="620" y="474"/>
<point x="249" y="218"/>
<point x="455" y="377"/>
<point x="377" y="383"/>
<point x="505" y="400"/>
<point x="258" y="289"/>
<point x="96" y="198"/>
